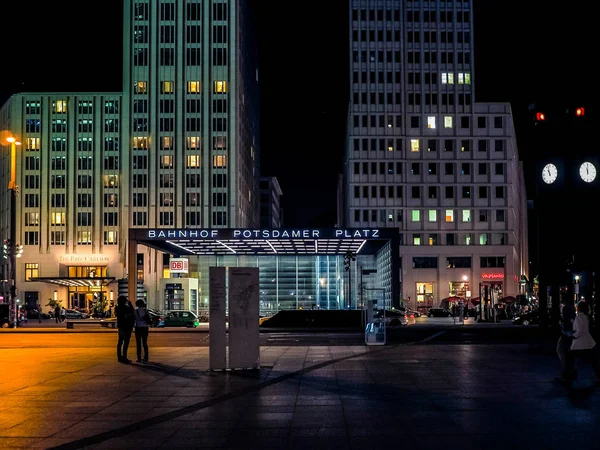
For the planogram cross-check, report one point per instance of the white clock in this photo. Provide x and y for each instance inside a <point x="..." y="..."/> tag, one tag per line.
<point x="549" y="173"/>
<point x="587" y="172"/>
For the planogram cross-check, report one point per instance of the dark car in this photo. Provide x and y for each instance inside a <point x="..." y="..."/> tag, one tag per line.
<point x="34" y="313"/>
<point x="4" y="315"/>
<point x="156" y="317"/>
<point x="439" y="312"/>
<point x="529" y="318"/>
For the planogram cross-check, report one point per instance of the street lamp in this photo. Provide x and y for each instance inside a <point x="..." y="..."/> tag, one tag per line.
<point x="12" y="248"/>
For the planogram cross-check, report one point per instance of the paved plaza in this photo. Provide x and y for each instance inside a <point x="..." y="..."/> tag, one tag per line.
<point x="414" y="396"/>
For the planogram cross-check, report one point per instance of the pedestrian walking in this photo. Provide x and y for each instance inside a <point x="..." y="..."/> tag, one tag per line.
<point x="57" y="313"/>
<point x="583" y="345"/>
<point x="63" y="314"/>
<point x="563" y="345"/>
<point x="142" y="326"/>
<point x="125" y="321"/>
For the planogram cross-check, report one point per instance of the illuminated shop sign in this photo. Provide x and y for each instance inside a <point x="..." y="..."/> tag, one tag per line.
<point x="83" y="259"/>
<point x="242" y="234"/>
<point x="178" y="265"/>
<point x="492" y="276"/>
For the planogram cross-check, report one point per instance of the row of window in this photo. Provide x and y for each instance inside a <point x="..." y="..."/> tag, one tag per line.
<point x="139" y="143"/>
<point x="395" y="121"/>
<point x="58" y="238"/>
<point x="168" y="57"/>
<point x="433" y="37"/>
<point x="83" y="107"/>
<point x="140" y="106"/>
<point x="60" y="163"/>
<point x="416" y="192"/>
<point x="193" y="34"/>
<point x="395" y="168"/>
<point x="84" y="219"/>
<point x="168" y="87"/>
<point x="413" y="78"/>
<point x="434" y="239"/>
<point x="390" y="215"/>
<point x="459" y="262"/>
<point x="193" y="11"/>
<point x="380" y="15"/>
<point x="412" y="57"/>
<point x="59" y="181"/>
<point x="58" y="200"/>
<point x="60" y="125"/>
<point x="219" y="218"/>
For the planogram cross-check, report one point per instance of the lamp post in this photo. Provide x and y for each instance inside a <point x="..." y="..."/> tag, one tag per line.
<point x="14" y="250"/>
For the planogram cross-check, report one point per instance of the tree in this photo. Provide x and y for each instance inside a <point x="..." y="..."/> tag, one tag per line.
<point x="54" y="303"/>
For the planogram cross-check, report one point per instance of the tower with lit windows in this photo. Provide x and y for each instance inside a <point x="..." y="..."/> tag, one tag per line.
<point x="423" y="156"/>
<point x="190" y="101"/>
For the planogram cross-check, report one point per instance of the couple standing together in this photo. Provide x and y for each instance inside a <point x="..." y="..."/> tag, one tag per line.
<point x="127" y="319"/>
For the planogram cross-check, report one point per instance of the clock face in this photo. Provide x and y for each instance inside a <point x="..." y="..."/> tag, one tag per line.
<point x="549" y="173"/>
<point x="587" y="172"/>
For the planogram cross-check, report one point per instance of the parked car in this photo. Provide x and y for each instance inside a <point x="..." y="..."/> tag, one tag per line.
<point x="4" y="315"/>
<point x="74" y="314"/>
<point x="181" y="318"/>
<point x="529" y="318"/>
<point x="393" y="318"/>
<point x="439" y="312"/>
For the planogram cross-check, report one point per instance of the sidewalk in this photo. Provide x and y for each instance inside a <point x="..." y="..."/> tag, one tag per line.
<point x="321" y="397"/>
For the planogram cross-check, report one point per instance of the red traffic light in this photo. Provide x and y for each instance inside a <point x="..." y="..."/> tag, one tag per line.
<point x="540" y="116"/>
<point x="580" y="112"/>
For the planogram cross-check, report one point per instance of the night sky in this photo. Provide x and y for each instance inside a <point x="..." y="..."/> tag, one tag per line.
<point x="524" y="54"/>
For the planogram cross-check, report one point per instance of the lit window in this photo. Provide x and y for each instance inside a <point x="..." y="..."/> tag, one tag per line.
<point x="449" y="215"/>
<point x="32" y="270"/>
<point x="448" y="122"/>
<point x="390" y="217"/>
<point x="110" y="237"/>
<point x="220" y="87"/>
<point x="57" y="218"/>
<point x="431" y="122"/>
<point x="193" y="142"/>
<point x="166" y="143"/>
<point x="417" y="239"/>
<point x="193" y="87"/>
<point x="466" y="215"/>
<point x="390" y="148"/>
<point x="111" y="181"/>
<point x="483" y="239"/>
<point x="60" y="106"/>
<point x="140" y="143"/>
<point x="416" y="215"/>
<point x="461" y="78"/>
<point x="414" y="145"/>
<point x="166" y="87"/>
<point x="33" y="144"/>
<point x="467" y="78"/>
<point x="467" y="239"/>
<point x="166" y="162"/>
<point x="140" y="87"/>
<point x="447" y="78"/>
<point x="433" y="215"/>
<point x="84" y="237"/>
<point x="193" y="161"/>
<point x="219" y="161"/>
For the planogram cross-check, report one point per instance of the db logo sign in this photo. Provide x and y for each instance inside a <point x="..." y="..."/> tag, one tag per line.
<point x="178" y="265"/>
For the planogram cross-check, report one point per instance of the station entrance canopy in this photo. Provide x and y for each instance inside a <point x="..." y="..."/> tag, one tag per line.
<point x="284" y="241"/>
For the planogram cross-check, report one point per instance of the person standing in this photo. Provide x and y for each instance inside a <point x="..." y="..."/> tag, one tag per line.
<point x="57" y="313"/>
<point x="142" y="326"/>
<point x="125" y="321"/>
<point x="583" y="345"/>
<point x="39" y="312"/>
<point x="63" y="314"/>
<point x="563" y="345"/>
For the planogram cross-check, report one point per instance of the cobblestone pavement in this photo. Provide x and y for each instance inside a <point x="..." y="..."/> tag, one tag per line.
<point x="309" y="397"/>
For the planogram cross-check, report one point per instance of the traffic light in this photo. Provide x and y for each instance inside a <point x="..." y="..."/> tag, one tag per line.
<point x="580" y="112"/>
<point x="348" y="258"/>
<point x="540" y="116"/>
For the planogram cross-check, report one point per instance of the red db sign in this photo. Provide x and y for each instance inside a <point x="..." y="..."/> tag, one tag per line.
<point x="178" y="265"/>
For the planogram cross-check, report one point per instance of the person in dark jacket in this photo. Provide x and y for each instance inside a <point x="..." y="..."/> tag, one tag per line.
<point x="57" y="313"/>
<point x="563" y="347"/>
<point x="142" y="325"/>
<point x="125" y="320"/>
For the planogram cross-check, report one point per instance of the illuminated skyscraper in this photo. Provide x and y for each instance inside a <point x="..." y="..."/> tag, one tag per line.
<point x="423" y="156"/>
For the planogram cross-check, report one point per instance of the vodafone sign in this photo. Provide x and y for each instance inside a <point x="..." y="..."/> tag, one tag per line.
<point x="178" y="265"/>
